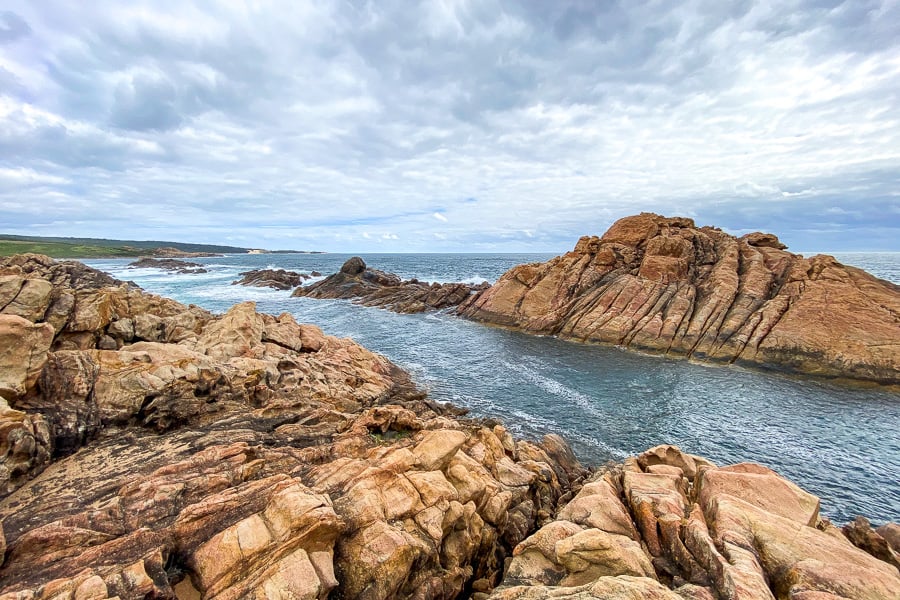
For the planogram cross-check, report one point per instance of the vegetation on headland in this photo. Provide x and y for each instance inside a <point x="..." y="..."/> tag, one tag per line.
<point x="58" y="247"/>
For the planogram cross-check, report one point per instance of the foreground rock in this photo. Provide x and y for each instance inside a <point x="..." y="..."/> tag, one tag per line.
<point x="672" y="526"/>
<point x="371" y="287"/>
<point x="169" y="264"/>
<point x="154" y="450"/>
<point x="664" y="285"/>
<point x="277" y="279"/>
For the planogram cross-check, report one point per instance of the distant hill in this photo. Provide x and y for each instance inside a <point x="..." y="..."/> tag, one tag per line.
<point x="65" y="247"/>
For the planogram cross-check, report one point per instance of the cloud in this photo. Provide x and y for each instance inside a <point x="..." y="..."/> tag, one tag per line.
<point x="12" y="27"/>
<point x="452" y="126"/>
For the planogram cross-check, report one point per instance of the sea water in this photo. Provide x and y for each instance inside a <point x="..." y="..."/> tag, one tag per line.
<point x="839" y="442"/>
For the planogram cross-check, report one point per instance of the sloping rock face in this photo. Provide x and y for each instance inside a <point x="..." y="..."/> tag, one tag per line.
<point x="664" y="285"/>
<point x="672" y="526"/>
<point x="238" y="456"/>
<point x="277" y="279"/>
<point x="371" y="287"/>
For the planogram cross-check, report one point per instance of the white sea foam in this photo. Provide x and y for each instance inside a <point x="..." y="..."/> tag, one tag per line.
<point x="555" y="387"/>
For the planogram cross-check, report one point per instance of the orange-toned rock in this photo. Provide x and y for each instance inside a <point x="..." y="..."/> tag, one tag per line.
<point x="742" y="532"/>
<point x="663" y="285"/>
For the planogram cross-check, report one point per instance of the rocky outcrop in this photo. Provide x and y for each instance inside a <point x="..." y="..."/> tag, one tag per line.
<point x="183" y="267"/>
<point x="371" y="287"/>
<point x="671" y="526"/>
<point x="664" y="285"/>
<point x="169" y="252"/>
<point x="277" y="279"/>
<point x="250" y="456"/>
<point x="238" y="456"/>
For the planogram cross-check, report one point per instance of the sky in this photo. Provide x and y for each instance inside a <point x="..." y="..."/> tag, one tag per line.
<point x="449" y="126"/>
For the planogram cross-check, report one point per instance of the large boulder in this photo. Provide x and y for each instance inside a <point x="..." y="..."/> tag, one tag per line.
<point x="661" y="284"/>
<point x="23" y="352"/>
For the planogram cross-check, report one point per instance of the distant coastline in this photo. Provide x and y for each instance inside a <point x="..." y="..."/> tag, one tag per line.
<point x="66" y="247"/>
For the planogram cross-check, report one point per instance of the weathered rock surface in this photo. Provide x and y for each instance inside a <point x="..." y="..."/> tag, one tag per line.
<point x="169" y="264"/>
<point x="371" y="287"/>
<point x="278" y="279"/>
<point x="663" y="285"/>
<point x="239" y="456"/>
<point x="250" y="456"/>
<point x="651" y="530"/>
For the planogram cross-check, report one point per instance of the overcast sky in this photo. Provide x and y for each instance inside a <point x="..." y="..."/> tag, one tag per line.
<point x="452" y="126"/>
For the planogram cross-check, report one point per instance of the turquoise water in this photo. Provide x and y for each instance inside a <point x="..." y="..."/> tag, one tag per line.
<point x="840" y="443"/>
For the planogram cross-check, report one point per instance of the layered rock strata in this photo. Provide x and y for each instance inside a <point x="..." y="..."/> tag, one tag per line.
<point x="371" y="287"/>
<point x="277" y="279"/>
<point x="663" y="285"/>
<point x="671" y="526"/>
<point x="154" y="450"/>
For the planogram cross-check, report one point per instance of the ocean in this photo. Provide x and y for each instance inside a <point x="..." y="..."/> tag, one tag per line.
<point x="838" y="442"/>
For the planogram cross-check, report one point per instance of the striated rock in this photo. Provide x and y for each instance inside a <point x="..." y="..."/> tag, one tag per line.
<point x="739" y="532"/>
<point x="371" y="287"/>
<point x="241" y="456"/>
<point x="277" y="279"/>
<point x="663" y="285"/>
<point x="183" y="267"/>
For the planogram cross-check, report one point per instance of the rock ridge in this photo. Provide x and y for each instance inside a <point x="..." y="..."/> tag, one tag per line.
<point x="664" y="285"/>
<point x="371" y="287"/>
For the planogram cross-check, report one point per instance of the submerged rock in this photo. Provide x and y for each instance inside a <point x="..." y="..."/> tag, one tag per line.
<point x="664" y="285"/>
<point x="371" y="287"/>
<point x="278" y="279"/>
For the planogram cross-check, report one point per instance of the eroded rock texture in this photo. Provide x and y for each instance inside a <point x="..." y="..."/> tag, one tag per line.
<point x="154" y="450"/>
<point x="371" y="287"/>
<point x="672" y="526"/>
<point x="277" y="279"/>
<point x="663" y="285"/>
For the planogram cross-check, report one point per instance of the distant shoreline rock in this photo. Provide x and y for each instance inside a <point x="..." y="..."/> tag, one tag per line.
<point x="278" y="279"/>
<point x="663" y="285"/>
<point x="169" y="252"/>
<point x="371" y="287"/>
<point x="182" y="267"/>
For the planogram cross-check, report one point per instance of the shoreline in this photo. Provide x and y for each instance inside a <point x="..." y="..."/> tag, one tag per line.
<point x="345" y="470"/>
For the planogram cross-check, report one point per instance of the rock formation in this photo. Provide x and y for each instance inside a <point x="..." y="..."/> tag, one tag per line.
<point x="671" y="526"/>
<point x="169" y="252"/>
<point x="169" y="264"/>
<point x="277" y="279"/>
<point x="663" y="285"/>
<point x="154" y="450"/>
<point x="371" y="287"/>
